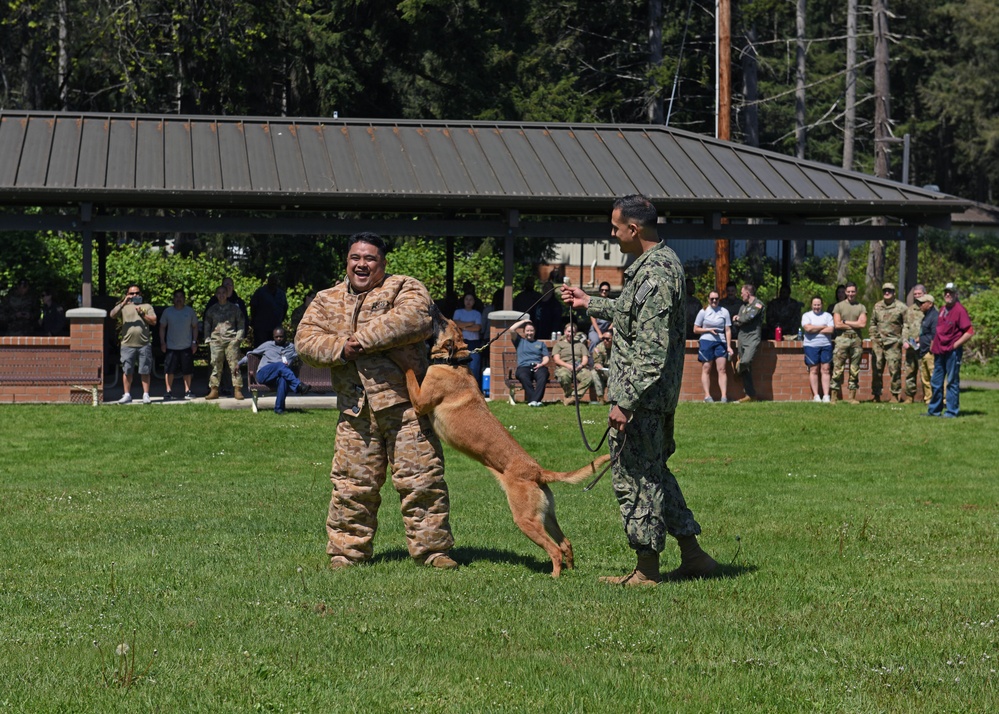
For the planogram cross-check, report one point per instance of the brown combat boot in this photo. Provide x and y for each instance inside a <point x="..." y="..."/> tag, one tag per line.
<point x="213" y="393"/>
<point x="237" y="394"/>
<point x="694" y="562"/>
<point x="442" y="561"/>
<point x="853" y="397"/>
<point x="339" y="562"/>
<point x="834" y="396"/>
<point x="646" y="572"/>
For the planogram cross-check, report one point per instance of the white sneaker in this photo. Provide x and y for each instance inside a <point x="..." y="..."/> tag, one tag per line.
<point x="145" y="398"/>
<point x="126" y="399"/>
<point x="816" y="398"/>
<point x="825" y="399"/>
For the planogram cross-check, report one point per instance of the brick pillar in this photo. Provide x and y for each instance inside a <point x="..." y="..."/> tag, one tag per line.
<point x="86" y="333"/>
<point x="500" y="320"/>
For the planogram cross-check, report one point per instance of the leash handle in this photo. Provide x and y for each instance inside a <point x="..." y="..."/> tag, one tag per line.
<point x="526" y="313"/>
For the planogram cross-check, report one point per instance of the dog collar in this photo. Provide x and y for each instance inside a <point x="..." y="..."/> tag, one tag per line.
<point x="454" y="362"/>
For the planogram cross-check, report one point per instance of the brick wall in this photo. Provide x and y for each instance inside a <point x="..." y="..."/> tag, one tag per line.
<point x="86" y="335"/>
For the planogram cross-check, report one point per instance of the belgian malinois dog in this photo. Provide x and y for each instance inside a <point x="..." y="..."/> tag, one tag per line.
<point x="458" y="412"/>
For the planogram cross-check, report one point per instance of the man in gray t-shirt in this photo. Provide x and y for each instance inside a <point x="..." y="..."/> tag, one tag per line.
<point x="179" y="340"/>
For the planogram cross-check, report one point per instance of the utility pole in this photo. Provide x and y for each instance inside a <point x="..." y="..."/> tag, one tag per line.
<point x="723" y="113"/>
<point x="882" y="133"/>
<point x="849" y="125"/>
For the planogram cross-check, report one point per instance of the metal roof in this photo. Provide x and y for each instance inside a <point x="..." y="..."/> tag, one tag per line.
<point x="121" y="161"/>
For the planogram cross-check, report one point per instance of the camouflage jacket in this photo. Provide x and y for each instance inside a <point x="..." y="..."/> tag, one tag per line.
<point x="224" y="323"/>
<point x="887" y="323"/>
<point x="751" y="320"/>
<point x="649" y="317"/>
<point x="913" y="323"/>
<point x="601" y="354"/>
<point x="564" y="350"/>
<point x="393" y="316"/>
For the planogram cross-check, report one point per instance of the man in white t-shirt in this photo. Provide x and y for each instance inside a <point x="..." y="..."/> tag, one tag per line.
<point x="179" y="339"/>
<point x="817" y="326"/>
<point x="713" y="328"/>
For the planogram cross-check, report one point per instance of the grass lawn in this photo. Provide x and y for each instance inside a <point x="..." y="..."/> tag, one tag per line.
<point x="859" y="546"/>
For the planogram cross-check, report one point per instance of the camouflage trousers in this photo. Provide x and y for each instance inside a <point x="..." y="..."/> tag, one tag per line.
<point x="584" y="378"/>
<point x="366" y="445"/>
<point x="647" y="492"/>
<point x="847" y="349"/>
<point x="600" y="378"/>
<point x="220" y="354"/>
<point x="918" y="368"/>
<point x="889" y="356"/>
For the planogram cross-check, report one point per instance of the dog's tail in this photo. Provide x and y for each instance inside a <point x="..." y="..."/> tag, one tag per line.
<point x="591" y="469"/>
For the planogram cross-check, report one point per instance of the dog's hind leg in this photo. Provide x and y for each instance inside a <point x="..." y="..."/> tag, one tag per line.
<point x="527" y="506"/>
<point x="553" y="529"/>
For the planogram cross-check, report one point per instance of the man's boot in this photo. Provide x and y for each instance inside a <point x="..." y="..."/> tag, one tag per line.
<point x="646" y="572"/>
<point x="213" y="393"/>
<point x="237" y="394"/>
<point x="441" y="561"/>
<point x="834" y="396"/>
<point x="853" y="397"/>
<point x="694" y="562"/>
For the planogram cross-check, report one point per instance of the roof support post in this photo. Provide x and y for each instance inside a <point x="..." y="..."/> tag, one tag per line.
<point x="86" y="291"/>
<point x="512" y="225"/>
<point x="908" y="259"/>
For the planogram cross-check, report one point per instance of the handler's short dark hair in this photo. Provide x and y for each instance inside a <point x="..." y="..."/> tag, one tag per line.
<point x="371" y="239"/>
<point x="639" y="209"/>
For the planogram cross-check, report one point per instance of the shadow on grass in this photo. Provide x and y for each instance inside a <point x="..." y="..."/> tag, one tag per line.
<point x="467" y="556"/>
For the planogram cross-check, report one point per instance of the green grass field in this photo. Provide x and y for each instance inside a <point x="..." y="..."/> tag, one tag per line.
<point x="859" y="546"/>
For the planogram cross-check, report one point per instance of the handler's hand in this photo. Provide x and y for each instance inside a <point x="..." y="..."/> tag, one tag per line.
<point x="575" y="297"/>
<point x="352" y="349"/>
<point x="619" y="418"/>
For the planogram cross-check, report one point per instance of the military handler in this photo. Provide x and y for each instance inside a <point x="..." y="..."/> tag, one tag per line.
<point x="351" y="328"/>
<point x="887" y="324"/>
<point x="572" y="345"/>
<point x="749" y="320"/>
<point x="849" y="318"/>
<point x="224" y="330"/>
<point x="910" y="346"/>
<point x="645" y="373"/>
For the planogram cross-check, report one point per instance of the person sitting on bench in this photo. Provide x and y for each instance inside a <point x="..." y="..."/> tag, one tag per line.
<point x="274" y="369"/>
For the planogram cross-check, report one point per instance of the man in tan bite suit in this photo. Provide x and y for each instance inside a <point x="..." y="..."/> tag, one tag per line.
<point x="351" y="328"/>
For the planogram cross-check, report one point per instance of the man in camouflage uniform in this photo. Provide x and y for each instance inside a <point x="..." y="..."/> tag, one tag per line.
<point x="750" y="324"/>
<point x="645" y="373"/>
<point x="570" y="354"/>
<point x="887" y="324"/>
<point x="601" y="357"/>
<point x="849" y="318"/>
<point x="224" y="328"/>
<point x="910" y="346"/>
<point x="352" y="328"/>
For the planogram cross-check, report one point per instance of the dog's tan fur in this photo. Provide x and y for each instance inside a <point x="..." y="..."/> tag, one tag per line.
<point x="460" y="417"/>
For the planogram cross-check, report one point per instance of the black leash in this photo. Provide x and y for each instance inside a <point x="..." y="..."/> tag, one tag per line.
<point x="526" y="313"/>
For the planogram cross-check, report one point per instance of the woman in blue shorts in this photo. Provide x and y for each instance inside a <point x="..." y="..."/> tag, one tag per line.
<point x="817" y="327"/>
<point x="714" y="327"/>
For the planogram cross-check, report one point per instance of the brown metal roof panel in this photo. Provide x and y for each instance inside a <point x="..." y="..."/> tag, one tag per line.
<point x="616" y="180"/>
<point x="856" y="187"/>
<point x="729" y="158"/>
<point x="529" y="166"/>
<point x="259" y="153"/>
<point x="178" y="160"/>
<point x="65" y="153"/>
<point x="367" y="154"/>
<point x="415" y="144"/>
<point x="826" y="183"/>
<point x="772" y="181"/>
<point x="345" y="171"/>
<point x="717" y="172"/>
<point x="448" y="159"/>
<point x="288" y="158"/>
<point x="501" y="161"/>
<point x="397" y="160"/>
<point x="477" y="168"/>
<point x="680" y="178"/>
<point x="559" y="171"/>
<point x="670" y="184"/>
<point x="35" y="155"/>
<point x="703" y="171"/>
<point x="580" y="164"/>
<point x="121" y="154"/>
<point x="232" y="153"/>
<point x="641" y="160"/>
<point x="886" y="192"/>
<point x="149" y="168"/>
<point x="207" y="159"/>
<point x="797" y="179"/>
<point x="92" y="170"/>
<point x="11" y="142"/>
<point x="315" y="158"/>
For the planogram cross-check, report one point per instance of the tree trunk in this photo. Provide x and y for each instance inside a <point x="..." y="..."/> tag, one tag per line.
<point x="849" y="126"/>
<point x="882" y="132"/>
<point x="800" y="129"/>
<point x="654" y="103"/>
